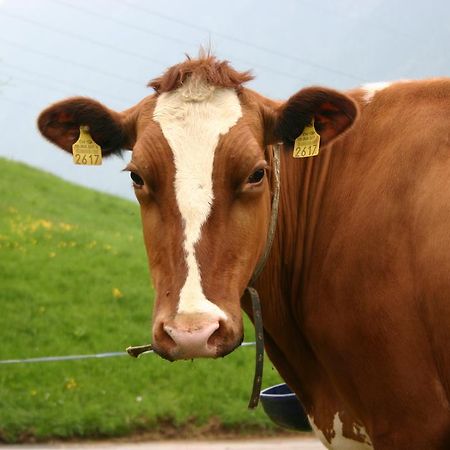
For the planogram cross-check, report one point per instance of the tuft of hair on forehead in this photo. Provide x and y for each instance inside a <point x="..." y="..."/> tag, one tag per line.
<point x="206" y="68"/>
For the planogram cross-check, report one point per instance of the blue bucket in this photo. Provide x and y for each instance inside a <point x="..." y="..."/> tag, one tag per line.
<point x="284" y="408"/>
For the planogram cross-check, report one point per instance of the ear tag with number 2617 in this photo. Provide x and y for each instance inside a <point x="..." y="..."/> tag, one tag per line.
<point x="85" y="150"/>
<point x="307" y="144"/>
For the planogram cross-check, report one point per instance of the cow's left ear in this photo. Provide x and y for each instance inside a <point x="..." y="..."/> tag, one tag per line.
<point x="333" y="113"/>
<point x="60" y="123"/>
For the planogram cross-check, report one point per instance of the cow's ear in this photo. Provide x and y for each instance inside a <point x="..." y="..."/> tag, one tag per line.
<point x="332" y="112"/>
<point x="60" y="123"/>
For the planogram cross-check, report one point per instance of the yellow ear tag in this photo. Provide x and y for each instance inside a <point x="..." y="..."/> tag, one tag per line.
<point x="85" y="150"/>
<point x="307" y="144"/>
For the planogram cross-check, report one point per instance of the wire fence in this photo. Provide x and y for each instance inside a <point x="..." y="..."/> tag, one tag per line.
<point x="43" y="359"/>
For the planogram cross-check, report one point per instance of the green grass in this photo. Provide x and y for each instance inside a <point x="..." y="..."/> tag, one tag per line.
<point x="64" y="251"/>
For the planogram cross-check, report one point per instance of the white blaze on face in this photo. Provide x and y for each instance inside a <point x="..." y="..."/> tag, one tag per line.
<point x="339" y="441"/>
<point x="192" y="119"/>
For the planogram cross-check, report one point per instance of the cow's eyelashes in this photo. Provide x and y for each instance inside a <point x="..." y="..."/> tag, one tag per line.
<point x="256" y="177"/>
<point x="137" y="180"/>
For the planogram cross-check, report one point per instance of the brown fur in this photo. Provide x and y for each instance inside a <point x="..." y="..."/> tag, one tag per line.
<point x="358" y="275"/>
<point x="207" y="68"/>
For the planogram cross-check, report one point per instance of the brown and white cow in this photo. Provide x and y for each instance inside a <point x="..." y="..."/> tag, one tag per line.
<point x="356" y="291"/>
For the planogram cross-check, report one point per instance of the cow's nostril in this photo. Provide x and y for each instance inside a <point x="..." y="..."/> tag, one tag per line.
<point x="217" y="335"/>
<point x="163" y="337"/>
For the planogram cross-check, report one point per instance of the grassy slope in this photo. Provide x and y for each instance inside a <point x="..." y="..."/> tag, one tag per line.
<point x="63" y="250"/>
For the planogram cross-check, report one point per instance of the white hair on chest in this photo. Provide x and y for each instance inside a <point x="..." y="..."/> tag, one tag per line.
<point x="339" y="441"/>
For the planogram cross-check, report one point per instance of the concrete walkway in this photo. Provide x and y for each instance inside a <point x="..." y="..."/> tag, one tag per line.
<point x="262" y="444"/>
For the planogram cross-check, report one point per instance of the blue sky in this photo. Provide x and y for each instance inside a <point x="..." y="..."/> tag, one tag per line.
<point x="110" y="49"/>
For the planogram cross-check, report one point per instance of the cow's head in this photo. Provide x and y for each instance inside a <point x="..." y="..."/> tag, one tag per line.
<point x="202" y="175"/>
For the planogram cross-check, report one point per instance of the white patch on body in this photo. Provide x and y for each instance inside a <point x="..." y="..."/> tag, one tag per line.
<point x="370" y="89"/>
<point x="192" y="119"/>
<point x="339" y="441"/>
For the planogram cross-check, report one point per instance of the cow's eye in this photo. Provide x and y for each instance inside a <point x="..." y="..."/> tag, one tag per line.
<point x="256" y="176"/>
<point x="137" y="180"/>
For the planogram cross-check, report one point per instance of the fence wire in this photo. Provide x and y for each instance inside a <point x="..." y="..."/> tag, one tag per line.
<point x="43" y="359"/>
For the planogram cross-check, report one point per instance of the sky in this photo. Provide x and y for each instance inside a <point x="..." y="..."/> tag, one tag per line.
<point x="110" y="49"/>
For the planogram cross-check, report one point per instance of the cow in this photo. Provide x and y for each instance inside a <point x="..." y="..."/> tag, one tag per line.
<point x="356" y="290"/>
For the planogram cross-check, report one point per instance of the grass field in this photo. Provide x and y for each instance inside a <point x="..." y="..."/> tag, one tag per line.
<point x="74" y="280"/>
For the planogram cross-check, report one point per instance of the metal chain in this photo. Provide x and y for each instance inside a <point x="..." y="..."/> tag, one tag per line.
<point x="259" y="336"/>
<point x="256" y="303"/>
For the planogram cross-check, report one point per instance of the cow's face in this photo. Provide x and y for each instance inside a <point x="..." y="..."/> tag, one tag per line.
<point x="202" y="175"/>
<point x="201" y="180"/>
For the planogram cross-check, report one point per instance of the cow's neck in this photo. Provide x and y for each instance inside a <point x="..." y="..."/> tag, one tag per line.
<point x="282" y="282"/>
<point x="302" y="187"/>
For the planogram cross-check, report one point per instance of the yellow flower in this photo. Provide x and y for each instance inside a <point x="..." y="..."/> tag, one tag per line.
<point x="66" y="226"/>
<point x="51" y="254"/>
<point x="45" y="224"/>
<point x="116" y="293"/>
<point x="71" y="384"/>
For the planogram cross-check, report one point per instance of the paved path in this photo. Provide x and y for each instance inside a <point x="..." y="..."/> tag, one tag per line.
<point x="262" y="444"/>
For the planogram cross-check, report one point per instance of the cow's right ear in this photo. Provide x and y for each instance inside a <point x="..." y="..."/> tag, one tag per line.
<point x="60" y="123"/>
